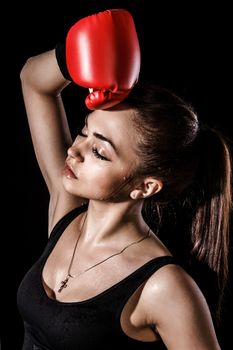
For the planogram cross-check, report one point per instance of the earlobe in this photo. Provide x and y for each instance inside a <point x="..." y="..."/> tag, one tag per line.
<point x="136" y="194"/>
<point x="132" y="195"/>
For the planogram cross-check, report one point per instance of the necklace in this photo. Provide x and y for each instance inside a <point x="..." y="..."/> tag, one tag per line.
<point x="64" y="283"/>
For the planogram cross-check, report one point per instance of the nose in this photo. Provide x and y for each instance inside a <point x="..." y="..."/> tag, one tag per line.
<point x="74" y="152"/>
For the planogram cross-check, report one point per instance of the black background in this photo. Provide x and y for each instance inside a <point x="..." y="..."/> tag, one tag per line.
<point x="184" y="48"/>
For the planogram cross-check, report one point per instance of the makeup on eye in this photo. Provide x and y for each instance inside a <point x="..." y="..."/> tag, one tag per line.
<point x="100" y="136"/>
<point x="95" y="150"/>
<point x="97" y="154"/>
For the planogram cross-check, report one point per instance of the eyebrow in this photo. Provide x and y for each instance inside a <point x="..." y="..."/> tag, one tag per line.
<point x="102" y="137"/>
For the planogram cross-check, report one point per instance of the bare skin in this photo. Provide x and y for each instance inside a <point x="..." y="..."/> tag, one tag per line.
<point x="169" y="305"/>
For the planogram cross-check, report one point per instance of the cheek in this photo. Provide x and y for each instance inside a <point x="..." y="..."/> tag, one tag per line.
<point x="103" y="178"/>
<point x="105" y="183"/>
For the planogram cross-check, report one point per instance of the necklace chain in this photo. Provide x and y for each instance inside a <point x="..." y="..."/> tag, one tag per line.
<point x="65" y="281"/>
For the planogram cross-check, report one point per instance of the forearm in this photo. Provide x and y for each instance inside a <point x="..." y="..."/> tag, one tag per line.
<point x="42" y="82"/>
<point x="42" y="74"/>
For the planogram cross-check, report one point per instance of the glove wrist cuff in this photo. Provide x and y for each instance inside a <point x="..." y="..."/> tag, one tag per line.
<point x="60" y="52"/>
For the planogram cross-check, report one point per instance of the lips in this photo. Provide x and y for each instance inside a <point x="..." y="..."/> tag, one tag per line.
<point x="68" y="172"/>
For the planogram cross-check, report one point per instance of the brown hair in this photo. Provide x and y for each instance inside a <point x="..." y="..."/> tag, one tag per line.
<point x="193" y="162"/>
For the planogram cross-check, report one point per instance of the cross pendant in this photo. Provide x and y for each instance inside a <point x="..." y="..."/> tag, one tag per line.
<point x="63" y="284"/>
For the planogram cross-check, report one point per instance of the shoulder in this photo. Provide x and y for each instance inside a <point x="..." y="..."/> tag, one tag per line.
<point x="172" y="288"/>
<point x="172" y="301"/>
<point x="173" y="283"/>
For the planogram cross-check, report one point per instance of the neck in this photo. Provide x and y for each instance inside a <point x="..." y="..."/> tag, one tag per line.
<point x="109" y="220"/>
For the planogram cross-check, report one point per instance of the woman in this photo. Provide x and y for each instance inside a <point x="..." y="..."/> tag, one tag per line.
<point x="105" y="278"/>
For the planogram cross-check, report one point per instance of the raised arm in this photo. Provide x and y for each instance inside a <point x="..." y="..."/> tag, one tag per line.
<point x="95" y="57"/>
<point x="42" y="83"/>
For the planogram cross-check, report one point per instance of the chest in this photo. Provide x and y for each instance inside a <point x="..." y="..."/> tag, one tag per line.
<point x="107" y="315"/>
<point x="70" y="274"/>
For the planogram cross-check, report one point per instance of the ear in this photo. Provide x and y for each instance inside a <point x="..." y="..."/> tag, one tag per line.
<point x="147" y="188"/>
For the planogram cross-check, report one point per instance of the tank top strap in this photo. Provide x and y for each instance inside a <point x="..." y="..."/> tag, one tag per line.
<point x="125" y="288"/>
<point x="146" y="270"/>
<point x="59" y="228"/>
<point x="61" y="225"/>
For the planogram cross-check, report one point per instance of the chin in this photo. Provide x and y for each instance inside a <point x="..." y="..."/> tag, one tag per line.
<point x="70" y="187"/>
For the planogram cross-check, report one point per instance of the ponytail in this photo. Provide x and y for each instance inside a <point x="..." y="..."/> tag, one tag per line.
<point x="210" y="225"/>
<point x="191" y="213"/>
<point x="202" y="209"/>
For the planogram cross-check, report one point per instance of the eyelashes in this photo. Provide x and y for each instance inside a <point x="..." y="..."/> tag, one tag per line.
<point x="97" y="154"/>
<point x="93" y="149"/>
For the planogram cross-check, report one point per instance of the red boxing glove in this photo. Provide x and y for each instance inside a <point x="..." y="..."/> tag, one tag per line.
<point x="103" y="54"/>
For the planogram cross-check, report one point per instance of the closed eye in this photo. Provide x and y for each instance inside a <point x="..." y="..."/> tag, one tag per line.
<point x="98" y="155"/>
<point x="94" y="149"/>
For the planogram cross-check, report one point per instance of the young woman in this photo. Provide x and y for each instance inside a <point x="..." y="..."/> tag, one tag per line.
<point x="105" y="278"/>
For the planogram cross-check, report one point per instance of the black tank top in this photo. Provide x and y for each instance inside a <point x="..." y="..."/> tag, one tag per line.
<point x="89" y="324"/>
